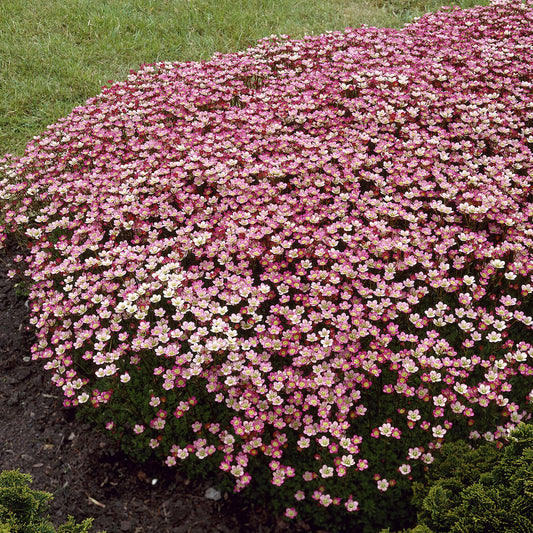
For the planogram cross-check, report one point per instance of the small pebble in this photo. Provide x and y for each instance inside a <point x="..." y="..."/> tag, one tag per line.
<point x="213" y="494"/>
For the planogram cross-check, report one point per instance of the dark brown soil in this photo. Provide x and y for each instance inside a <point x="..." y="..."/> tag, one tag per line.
<point x="84" y="471"/>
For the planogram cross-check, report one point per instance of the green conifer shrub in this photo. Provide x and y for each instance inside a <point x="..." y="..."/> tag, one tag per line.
<point x="23" y="510"/>
<point x="479" y="490"/>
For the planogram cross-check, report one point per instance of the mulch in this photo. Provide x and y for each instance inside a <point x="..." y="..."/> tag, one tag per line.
<point x="86" y="473"/>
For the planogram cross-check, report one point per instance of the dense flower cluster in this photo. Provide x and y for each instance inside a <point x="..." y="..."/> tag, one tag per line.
<point x="330" y="237"/>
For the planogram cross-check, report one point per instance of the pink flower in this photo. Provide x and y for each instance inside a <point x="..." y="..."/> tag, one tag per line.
<point x="290" y="512"/>
<point x="351" y="505"/>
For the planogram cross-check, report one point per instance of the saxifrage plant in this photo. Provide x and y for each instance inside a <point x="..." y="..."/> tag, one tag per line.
<point x="308" y="263"/>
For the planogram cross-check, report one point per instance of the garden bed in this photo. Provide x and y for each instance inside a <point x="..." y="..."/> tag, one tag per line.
<point x="81" y="467"/>
<point x="307" y="265"/>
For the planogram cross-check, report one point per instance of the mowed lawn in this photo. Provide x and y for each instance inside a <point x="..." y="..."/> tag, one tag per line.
<point x="54" y="54"/>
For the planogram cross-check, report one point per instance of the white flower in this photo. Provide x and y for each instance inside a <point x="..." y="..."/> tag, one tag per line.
<point x="501" y="400"/>
<point x="483" y="388"/>
<point x="323" y="441"/>
<point x="326" y="471"/>
<point x="82" y="398"/>
<point x="414" y="453"/>
<point x="201" y="453"/>
<point x="491" y="376"/>
<point x="440" y="400"/>
<point x="410" y="366"/>
<point x="218" y="325"/>
<point x="520" y="357"/>
<point x="402" y="306"/>
<point x="427" y="458"/>
<point x="404" y="469"/>
<point x="438" y="432"/>
<point x="304" y="442"/>
<point x="457" y="407"/>
<point x="347" y="460"/>
<point x="497" y="263"/>
<point x="237" y="470"/>
<point x="499" y="325"/>
<point x="488" y="436"/>
<point x="527" y="288"/>
<point x="435" y="376"/>
<point x="131" y="308"/>
<point x="414" y="416"/>
<point x="345" y="442"/>
<point x="465" y="326"/>
<point x="274" y="398"/>
<point x="383" y="485"/>
<point x="34" y="232"/>
<point x="493" y="336"/>
<point x="386" y="429"/>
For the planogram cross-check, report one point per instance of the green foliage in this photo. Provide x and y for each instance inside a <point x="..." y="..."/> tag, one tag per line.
<point x="23" y="510"/>
<point x="479" y="491"/>
<point x="22" y="289"/>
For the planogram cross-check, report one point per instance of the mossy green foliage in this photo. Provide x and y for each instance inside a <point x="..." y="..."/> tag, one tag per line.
<point x="23" y="510"/>
<point x="480" y="491"/>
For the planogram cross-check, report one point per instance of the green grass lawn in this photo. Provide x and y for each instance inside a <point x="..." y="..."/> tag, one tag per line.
<point x="54" y="54"/>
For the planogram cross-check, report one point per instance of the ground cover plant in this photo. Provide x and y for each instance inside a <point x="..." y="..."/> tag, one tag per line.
<point x="308" y="264"/>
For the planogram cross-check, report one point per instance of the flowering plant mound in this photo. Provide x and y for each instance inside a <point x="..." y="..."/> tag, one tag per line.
<point x="314" y="255"/>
